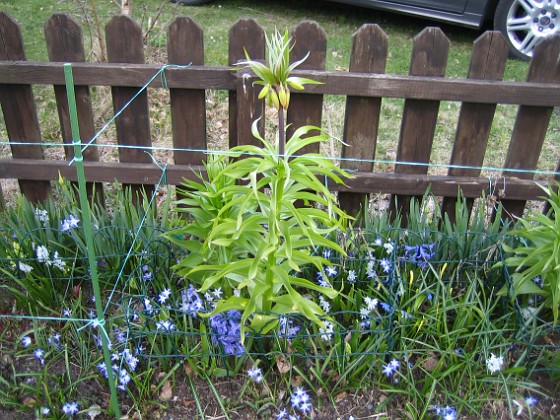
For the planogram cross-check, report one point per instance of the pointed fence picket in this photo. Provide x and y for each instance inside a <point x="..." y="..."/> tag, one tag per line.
<point x="364" y="86"/>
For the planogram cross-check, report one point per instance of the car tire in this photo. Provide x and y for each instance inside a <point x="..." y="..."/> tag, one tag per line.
<point x="525" y="23"/>
<point x="192" y="2"/>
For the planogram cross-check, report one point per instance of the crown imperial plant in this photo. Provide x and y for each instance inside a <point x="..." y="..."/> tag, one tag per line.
<point x="246" y="231"/>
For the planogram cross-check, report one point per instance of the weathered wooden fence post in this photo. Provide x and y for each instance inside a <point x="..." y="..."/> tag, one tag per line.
<point x="306" y="109"/>
<point x="429" y="58"/>
<point x="361" y="119"/>
<point x="532" y="122"/>
<point x="20" y="112"/>
<point x="125" y="45"/>
<point x="488" y="62"/>
<point x="185" y="46"/>
<point x="65" y="44"/>
<point x="244" y="106"/>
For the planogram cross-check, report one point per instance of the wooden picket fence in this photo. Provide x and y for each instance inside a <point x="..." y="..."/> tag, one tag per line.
<point x="364" y="86"/>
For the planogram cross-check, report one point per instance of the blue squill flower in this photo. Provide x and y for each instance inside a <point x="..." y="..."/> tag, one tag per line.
<point x="419" y="254"/>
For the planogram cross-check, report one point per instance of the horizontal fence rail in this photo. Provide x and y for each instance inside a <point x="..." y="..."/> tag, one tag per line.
<point x="365" y="86"/>
<point x="394" y="183"/>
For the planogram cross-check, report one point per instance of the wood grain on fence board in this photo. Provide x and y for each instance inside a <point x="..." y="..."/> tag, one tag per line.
<point x="308" y="38"/>
<point x="185" y="46"/>
<point x="361" y="117"/>
<point x="532" y="122"/>
<point x="125" y="45"/>
<point x="65" y="44"/>
<point x="246" y="37"/>
<point x="429" y="58"/>
<point x="333" y="82"/>
<point x="363" y="182"/>
<point x="488" y="62"/>
<point x="20" y="113"/>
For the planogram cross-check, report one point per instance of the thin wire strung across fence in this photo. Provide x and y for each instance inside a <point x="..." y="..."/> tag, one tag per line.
<point x="152" y="305"/>
<point x="149" y="255"/>
<point x="401" y="291"/>
<point x="364" y="88"/>
<point x="435" y="291"/>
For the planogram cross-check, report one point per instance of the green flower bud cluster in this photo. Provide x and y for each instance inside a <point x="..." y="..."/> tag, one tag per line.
<point x="274" y="74"/>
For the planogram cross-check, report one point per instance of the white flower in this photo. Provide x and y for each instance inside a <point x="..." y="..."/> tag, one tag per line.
<point x="331" y="271"/>
<point x="124" y="379"/>
<point x="494" y="364"/>
<point x="531" y="401"/>
<point x="24" y="267"/>
<point x="165" y="325"/>
<point x="70" y="223"/>
<point x="282" y="414"/>
<point x="395" y="364"/>
<point x="209" y="297"/>
<point x="529" y="314"/>
<point x="164" y="295"/>
<point x="352" y="276"/>
<point x="371" y="303"/>
<point x="26" y="341"/>
<point x="131" y="360"/>
<point x="327" y="332"/>
<point x="70" y="408"/>
<point x="218" y="293"/>
<point x="148" y="305"/>
<point x="364" y="313"/>
<point x="57" y="262"/>
<point x="370" y="270"/>
<point x="255" y="374"/>
<point x="42" y="216"/>
<point x="39" y="353"/>
<point x="389" y="247"/>
<point x="42" y="254"/>
<point x="326" y="306"/>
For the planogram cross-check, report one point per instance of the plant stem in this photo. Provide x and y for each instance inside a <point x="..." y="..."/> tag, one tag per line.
<point x="281" y="132"/>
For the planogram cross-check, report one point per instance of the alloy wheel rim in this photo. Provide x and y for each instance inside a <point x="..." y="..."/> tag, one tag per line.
<point x="530" y="21"/>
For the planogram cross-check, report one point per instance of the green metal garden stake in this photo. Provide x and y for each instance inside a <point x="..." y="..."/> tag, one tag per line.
<point x="88" y="231"/>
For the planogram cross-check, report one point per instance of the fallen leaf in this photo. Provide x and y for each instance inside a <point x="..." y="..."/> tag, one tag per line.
<point x="340" y="397"/>
<point x="283" y="365"/>
<point x="296" y="381"/>
<point x="431" y="363"/>
<point x="166" y="391"/>
<point x="382" y="398"/>
<point x="188" y="370"/>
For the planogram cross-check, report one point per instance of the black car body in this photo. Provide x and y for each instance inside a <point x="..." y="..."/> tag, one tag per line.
<point x="524" y="23"/>
<point x="470" y="13"/>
